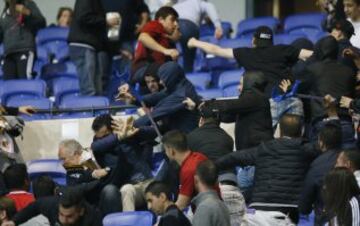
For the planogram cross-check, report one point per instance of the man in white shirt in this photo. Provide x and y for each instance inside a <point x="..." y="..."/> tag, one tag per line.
<point x="350" y="160"/>
<point x="352" y="11"/>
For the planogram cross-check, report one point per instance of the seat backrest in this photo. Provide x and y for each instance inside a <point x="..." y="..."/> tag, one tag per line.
<point x="50" y="34"/>
<point x="231" y="91"/>
<point x="84" y="102"/>
<point x="209" y="29"/>
<point x="210" y="93"/>
<point x="304" y="22"/>
<point x="247" y="27"/>
<point x="287" y="39"/>
<point x="236" y="42"/>
<point x="63" y="86"/>
<point x="134" y="218"/>
<point x="51" y="167"/>
<point x="228" y="78"/>
<point x="64" y="69"/>
<point x="36" y="88"/>
<point x="199" y="79"/>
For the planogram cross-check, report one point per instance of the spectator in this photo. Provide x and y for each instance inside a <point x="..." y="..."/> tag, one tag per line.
<point x="64" y="17"/>
<point x="102" y="128"/>
<point x="210" y="210"/>
<point x="43" y="186"/>
<point x="86" y="39"/>
<point x="158" y="197"/>
<point x="352" y="12"/>
<point x="68" y="209"/>
<point x="341" y="197"/>
<point x="154" y="43"/>
<point x="281" y="165"/>
<point x="176" y="149"/>
<point x="19" y="22"/>
<point x="351" y="161"/>
<point x="334" y="10"/>
<point x="251" y="111"/>
<point x="18" y="183"/>
<point x="7" y="209"/>
<point x="329" y="142"/>
<point x="190" y="17"/>
<point x="273" y="61"/>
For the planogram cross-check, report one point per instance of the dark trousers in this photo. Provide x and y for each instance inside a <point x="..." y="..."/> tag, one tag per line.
<point x="18" y="65"/>
<point x="188" y="30"/>
<point x="110" y="200"/>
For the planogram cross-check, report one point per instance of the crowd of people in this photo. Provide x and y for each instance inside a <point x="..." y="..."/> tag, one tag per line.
<point x="296" y="122"/>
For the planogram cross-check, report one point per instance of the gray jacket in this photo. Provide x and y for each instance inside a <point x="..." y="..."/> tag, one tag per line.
<point x="20" y="36"/>
<point x="210" y="210"/>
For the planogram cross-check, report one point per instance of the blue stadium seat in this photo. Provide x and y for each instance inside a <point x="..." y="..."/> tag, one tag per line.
<point x="47" y="167"/>
<point x="60" y="70"/>
<point x="231" y="91"/>
<point x="1" y="50"/>
<point x="58" y="51"/>
<point x="51" y="34"/>
<point x="42" y="54"/>
<point x="83" y="102"/>
<point x="64" y="87"/>
<point x="306" y="23"/>
<point x="41" y="103"/>
<point x="209" y="30"/>
<point x="287" y="39"/>
<point x="247" y="27"/>
<point x="228" y="78"/>
<point x="199" y="79"/>
<point x="210" y="93"/>
<point x="25" y="88"/>
<point x="307" y="220"/>
<point x="131" y="218"/>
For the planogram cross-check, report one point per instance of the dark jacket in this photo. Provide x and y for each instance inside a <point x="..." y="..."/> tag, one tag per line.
<point x="173" y="217"/>
<point x="281" y="165"/>
<point x="312" y="190"/>
<point x="19" y="35"/>
<point x="49" y="208"/>
<point x="106" y="156"/>
<point x="89" y="24"/>
<point x="327" y="76"/>
<point x="211" y="140"/>
<point x="251" y="112"/>
<point x="170" y="106"/>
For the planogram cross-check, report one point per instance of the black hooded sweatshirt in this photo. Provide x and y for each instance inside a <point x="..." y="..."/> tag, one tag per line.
<point x="251" y="111"/>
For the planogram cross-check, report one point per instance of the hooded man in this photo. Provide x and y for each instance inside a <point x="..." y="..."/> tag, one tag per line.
<point x="170" y="107"/>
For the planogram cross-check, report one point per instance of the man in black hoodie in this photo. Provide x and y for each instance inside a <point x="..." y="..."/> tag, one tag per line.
<point x="281" y="166"/>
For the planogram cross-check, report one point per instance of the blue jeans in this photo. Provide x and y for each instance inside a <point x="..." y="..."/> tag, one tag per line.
<point x="188" y="30"/>
<point x="88" y="64"/>
<point x="110" y="200"/>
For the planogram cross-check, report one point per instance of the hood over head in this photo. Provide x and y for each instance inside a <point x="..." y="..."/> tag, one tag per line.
<point x="326" y="48"/>
<point x="171" y="74"/>
<point x="254" y="80"/>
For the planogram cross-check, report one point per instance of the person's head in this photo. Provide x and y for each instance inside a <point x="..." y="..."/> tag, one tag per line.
<point x="171" y="74"/>
<point x="303" y="43"/>
<point x="175" y="144"/>
<point x="168" y="17"/>
<point x="263" y="37"/>
<point x="151" y="78"/>
<point x="16" y="177"/>
<point x="330" y="137"/>
<point x="206" y="176"/>
<point x="208" y="115"/>
<point x="7" y="209"/>
<point x="43" y="186"/>
<point x="70" y="152"/>
<point x="71" y="207"/>
<point x="102" y="125"/>
<point x="158" y="196"/>
<point x="326" y="48"/>
<point x="291" y="126"/>
<point x="339" y="187"/>
<point x="252" y="80"/>
<point x="342" y="29"/>
<point x="64" y="16"/>
<point x="352" y="9"/>
<point x="349" y="159"/>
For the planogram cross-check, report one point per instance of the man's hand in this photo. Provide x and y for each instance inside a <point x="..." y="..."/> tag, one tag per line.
<point x="99" y="173"/>
<point x="113" y="21"/>
<point x="284" y="85"/>
<point x="123" y="129"/>
<point x="124" y="88"/>
<point x="27" y="110"/>
<point x="176" y="35"/>
<point x="218" y="33"/>
<point x="21" y="9"/>
<point x="191" y="42"/>
<point x="330" y="106"/>
<point x="345" y="102"/>
<point x="8" y="223"/>
<point x="189" y="104"/>
<point x="352" y="54"/>
<point x="173" y="53"/>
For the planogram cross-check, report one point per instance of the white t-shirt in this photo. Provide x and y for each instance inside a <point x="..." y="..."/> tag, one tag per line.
<point x="355" y="39"/>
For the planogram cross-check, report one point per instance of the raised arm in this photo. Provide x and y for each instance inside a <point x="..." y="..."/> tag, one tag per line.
<point x="211" y="48"/>
<point x="150" y="43"/>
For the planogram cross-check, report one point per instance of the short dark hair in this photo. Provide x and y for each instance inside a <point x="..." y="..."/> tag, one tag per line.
<point x="102" y="120"/>
<point x="63" y="9"/>
<point x="175" y="139"/>
<point x="43" y="186"/>
<point x="331" y="136"/>
<point x="15" y="176"/>
<point x="8" y="205"/>
<point x="72" y="197"/>
<point x="157" y="187"/>
<point x="207" y="173"/>
<point x="291" y="125"/>
<point x="166" y="11"/>
<point x="354" y="157"/>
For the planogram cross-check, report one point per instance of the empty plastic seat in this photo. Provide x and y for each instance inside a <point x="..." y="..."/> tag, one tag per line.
<point x="287" y="39"/>
<point x="58" y="51"/>
<point x="306" y="23"/>
<point x="228" y="78"/>
<point x="247" y="27"/>
<point x="51" y="34"/>
<point x="47" y="167"/>
<point x="199" y="79"/>
<point x="53" y="71"/>
<point x="25" y="88"/>
<point x="80" y="102"/>
<point x="63" y="87"/>
<point x="132" y="218"/>
<point x="41" y="104"/>
<point x="209" y="29"/>
<point x="210" y="93"/>
<point x="42" y="54"/>
<point x="231" y="91"/>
